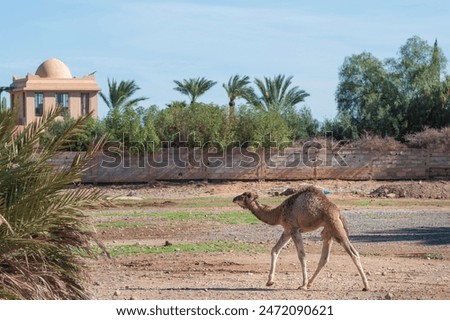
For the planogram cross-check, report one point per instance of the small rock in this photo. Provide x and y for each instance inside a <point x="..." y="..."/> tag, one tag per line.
<point x="389" y="296"/>
<point x="167" y="243"/>
<point x="383" y="273"/>
<point x="96" y="283"/>
<point x="116" y="293"/>
<point x="368" y="273"/>
<point x="391" y="195"/>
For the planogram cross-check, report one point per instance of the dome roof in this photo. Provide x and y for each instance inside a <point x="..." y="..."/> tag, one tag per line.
<point x="53" y="68"/>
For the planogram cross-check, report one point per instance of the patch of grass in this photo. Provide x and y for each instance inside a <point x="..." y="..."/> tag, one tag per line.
<point x="371" y="254"/>
<point x="433" y="256"/>
<point x="205" y="202"/>
<point x="233" y="217"/>
<point x="392" y="202"/>
<point x="227" y="217"/>
<point x="118" y="225"/>
<point x="135" y="214"/>
<point x="214" y="246"/>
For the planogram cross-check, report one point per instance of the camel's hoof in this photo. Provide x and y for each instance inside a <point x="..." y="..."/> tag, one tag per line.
<point x="269" y="283"/>
<point x="365" y="289"/>
<point x="303" y="287"/>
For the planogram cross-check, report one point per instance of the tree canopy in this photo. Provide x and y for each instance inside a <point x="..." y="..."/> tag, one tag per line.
<point x="277" y="94"/>
<point x="399" y="95"/>
<point x="194" y="87"/>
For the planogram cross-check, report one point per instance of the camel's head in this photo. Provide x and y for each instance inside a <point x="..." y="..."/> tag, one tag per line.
<point x="245" y="199"/>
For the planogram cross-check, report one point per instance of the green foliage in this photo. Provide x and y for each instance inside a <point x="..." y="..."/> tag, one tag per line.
<point x="398" y="96"/>
<point x="40" y="219"/>
<point x="81" y="140"/>
<point x="229" y="217"/>
<point x="277" y="95"/>
<point x="3" y="104"/>
<point x="237" y="87"/>
<point x="196" y="125"/>
<point x="302" y="123"/>
<point x="194" y="87"/>
<point x="212" y="246"/>
<point x="261" y="127"/>
<point x="125" y="122"/>
<point x="341" y="127"/>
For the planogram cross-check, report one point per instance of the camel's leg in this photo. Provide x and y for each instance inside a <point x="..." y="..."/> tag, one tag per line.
<point x="355" y="257"/>
<point x="284" y="239"/>
<point x="326" y="248"/>
<point x="339" y="233"/>
<point x="298" y="240"/>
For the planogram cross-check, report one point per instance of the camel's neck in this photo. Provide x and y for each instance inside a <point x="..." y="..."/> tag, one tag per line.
<point x="265" y="214"/>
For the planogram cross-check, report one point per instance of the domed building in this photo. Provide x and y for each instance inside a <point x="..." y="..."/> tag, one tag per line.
<point x="53" y="84"/>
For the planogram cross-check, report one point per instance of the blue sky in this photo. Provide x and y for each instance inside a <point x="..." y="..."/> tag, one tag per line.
<point x="156" y="42"/>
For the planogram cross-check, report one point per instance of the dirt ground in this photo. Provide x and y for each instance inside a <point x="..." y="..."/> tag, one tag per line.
<point x="404" y="248"/>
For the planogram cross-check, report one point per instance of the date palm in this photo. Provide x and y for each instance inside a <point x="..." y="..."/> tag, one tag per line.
<point x="119" y="101"/>
<point x="237" y="87"/>
<point x="277" y="94"/>
<point x="41" y="219"/>
<point x="119" y="95"/>
<point x="194" y="87"/>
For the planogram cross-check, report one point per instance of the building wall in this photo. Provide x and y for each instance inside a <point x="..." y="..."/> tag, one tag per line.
<point x="183" y="164"/>
<point x="52" y="77"/>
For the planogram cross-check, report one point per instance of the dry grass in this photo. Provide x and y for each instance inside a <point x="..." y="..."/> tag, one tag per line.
<point x="429" y="137"/>
<point x="377" y="143"/>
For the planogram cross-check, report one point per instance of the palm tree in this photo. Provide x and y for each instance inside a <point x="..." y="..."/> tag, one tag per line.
<point x="41" y="226"/>
<point x="194" y="88"/>
<point x="120" y="94"/>
<point x="237" y="87"/>
<point x="119" y="101"/>
<point x="276" y="96"/>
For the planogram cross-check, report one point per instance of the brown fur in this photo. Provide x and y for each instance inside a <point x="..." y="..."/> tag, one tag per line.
<point x="304" y="211"/>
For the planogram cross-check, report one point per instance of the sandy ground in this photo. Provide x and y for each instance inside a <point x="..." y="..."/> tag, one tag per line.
<point x="405" y="249"/>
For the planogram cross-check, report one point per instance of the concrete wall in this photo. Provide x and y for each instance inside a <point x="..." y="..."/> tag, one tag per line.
<point x="291" y="164"/>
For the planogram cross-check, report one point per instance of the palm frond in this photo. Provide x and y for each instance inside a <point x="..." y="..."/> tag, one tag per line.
<point x="277" y="95"/>
<point x="194" y="87"/>
<point x="41" y="219"/>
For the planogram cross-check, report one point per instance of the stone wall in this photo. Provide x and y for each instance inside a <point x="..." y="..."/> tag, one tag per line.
<point x="242" y="164"/>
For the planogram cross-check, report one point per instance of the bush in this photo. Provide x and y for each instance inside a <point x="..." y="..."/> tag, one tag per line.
<point x="196" y="125"/>
<point x="377" y="143"/>
<point x="80" y="140"/>
<point x="429" y="137"/>
<point x="133" y="127"/>
<point x="261" y="127"/>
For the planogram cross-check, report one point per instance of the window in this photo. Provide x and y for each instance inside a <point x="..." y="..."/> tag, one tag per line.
<point x="62" y="100"/>
<point x="38" y="104"/>
<point x="84" y="104"/>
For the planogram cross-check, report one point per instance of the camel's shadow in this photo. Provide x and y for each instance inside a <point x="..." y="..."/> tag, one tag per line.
<point x="224" y="289"/>
<point x="424" y="235"/>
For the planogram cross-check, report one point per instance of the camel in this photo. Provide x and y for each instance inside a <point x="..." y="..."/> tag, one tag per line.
<point x="304" y="211"/>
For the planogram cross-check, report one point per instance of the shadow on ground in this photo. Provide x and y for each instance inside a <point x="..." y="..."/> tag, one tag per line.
<point x="423" y="235"/>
